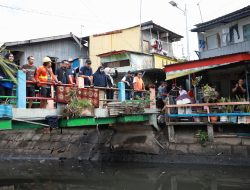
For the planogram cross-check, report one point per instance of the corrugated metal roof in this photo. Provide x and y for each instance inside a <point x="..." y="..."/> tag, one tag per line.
<point x="145" y="26"/>
<point x="37" y="40"/>
<point x="236" y="15"/>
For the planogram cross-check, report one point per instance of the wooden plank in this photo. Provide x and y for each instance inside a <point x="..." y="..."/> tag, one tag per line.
<point x="171" y="133"/>
<point x="207" y="114"/>
<point x="206" y="104"/>
<point x="186" y="123"/>
<point x="210" y="132"/>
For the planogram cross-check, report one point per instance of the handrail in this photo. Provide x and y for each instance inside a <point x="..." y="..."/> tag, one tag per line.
<point x="6" y="80"/>
<point x="207" y="104"/>
<point x="207" y="114"/>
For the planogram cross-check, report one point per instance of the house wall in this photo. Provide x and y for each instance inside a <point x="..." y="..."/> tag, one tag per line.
<point x="62" y="49"/>
<point x="166" y="46"/>
<point x="224" y="45"/>
<point x="160" y="61"/>
<point x="127" y="39"/>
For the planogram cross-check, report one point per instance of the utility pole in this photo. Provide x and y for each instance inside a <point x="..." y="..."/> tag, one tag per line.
<point x="141" y="44"/>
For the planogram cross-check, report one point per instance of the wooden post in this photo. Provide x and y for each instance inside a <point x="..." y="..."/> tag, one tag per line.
<point x="152" y="98"/>
<point x="121" y="94"/>
<point x="21" y="89"/>
<point x="171" y="133"/>
<point x="50" y="103"/>
<point x="173" y="182"/>
<point x="80" y="82"/>
<point x="101" y="97"/>
<point x="210" y="132"/>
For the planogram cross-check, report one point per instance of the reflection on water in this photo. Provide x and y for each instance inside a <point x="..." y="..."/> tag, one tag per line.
<point x="71" y="175"/>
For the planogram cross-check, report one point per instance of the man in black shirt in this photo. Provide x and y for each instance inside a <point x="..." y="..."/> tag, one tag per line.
<point x="239" y="90"/>
<point x="63" y="75"/>
<point x="128" y="80"/>
<point x="30" y="71"/>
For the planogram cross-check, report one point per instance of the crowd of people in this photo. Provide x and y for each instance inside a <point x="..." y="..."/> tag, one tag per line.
<point x="173" y="93"/>
<point x="42" y="77"/>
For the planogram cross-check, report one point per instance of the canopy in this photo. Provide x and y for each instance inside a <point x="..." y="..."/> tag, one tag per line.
<point x="186" y="68"/>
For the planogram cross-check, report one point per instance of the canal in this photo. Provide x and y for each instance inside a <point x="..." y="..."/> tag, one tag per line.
<point x="72" y="175"/>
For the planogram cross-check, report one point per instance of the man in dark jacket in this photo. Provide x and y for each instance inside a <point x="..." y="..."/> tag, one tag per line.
<point x="99" y="78"/>
<point x="63" y="74"/>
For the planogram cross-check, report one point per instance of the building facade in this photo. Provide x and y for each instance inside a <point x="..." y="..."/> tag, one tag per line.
<point x="225" y="35"/>
<point x="132" y="46"/>
<point x="58" y="48"/>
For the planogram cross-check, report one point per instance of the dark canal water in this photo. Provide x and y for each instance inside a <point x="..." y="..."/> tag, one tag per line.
<point x="71" y="175"/>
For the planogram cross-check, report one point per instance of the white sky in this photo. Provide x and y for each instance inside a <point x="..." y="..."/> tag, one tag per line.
<point x="43" y="18"/>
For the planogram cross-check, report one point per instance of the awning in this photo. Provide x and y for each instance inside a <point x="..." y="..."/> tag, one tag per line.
<point x="186" y="68"/>
<point x="177" y="74"/>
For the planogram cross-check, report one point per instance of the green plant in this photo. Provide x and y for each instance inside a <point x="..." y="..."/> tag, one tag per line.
<point x="248" y="108"/>
<point x="226" y="108"/>
<point x="209" y="93"/>
<point x="75" y="106"/>
<point x="203" y="137"/>
<point x="242" y="107"/>
<point x="9" y="69"/>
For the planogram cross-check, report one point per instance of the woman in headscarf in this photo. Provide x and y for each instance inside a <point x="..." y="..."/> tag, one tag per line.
<point x="111" y="74"/>
<point x="99" y="78"/>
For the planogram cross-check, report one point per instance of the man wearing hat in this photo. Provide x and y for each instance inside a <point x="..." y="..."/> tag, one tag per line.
<point x="86" y="73"/>
<point x="45" y="76"/>
<point x="128" y="80"/>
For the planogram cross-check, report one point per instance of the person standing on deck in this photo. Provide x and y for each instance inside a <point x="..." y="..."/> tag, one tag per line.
<point x="239" y="90"/>
<point x="64" y="75"/>
<point x="86" y="73"/>
<point x="128" y="80"/>
<point x="71" y="70"/>
<point x="138" y="85"/>
<point x="161" y="95"/>
<point x="44" y="75"/>
<point x="6" y="87"/>
<point x="111" y="75"/>
<point x="30" y="71"/>
<point x="99" y="78"/>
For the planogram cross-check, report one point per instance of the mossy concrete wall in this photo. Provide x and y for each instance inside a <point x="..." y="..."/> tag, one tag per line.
<point x="142" y="144"/>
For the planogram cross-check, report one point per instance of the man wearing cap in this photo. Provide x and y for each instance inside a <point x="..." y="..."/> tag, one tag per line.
<point x="128" y="80"/>
<point x="44" y="76"/>
<point x="138" y="85"/>
<point x="86" y="73"/>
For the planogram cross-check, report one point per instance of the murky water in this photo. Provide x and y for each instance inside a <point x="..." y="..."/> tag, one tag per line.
<point x="45" y="175"/>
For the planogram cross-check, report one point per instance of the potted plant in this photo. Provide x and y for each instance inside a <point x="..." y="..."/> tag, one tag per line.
<point x="209" y="94"/>
<point x="214" y="119"/>
<point x="230" y="109"/>
<point x="242" y="109"/>
<point x="248" y="111"/>
<point x="223" y="109"/>
<point x="77" y="107"/>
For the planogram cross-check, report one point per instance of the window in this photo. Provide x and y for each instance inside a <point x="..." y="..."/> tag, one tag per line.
<point x="146" y="46"/>
<point x="246" y="32"/>
<point x="115" y="64"/>
<point x="212" y="42"/>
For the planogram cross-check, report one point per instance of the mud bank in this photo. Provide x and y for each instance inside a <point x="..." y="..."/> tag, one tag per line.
<point x="129" y="144"/>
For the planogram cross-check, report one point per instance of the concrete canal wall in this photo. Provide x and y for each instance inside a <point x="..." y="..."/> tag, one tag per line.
<point x="142" y="144"/>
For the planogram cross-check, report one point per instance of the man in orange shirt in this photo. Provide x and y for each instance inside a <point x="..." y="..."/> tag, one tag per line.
<point x="138" y="85"/>
<point x="45" y="76"/>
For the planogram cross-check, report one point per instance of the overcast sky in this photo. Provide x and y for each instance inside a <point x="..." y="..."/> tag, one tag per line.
<point x="29" y="19"/>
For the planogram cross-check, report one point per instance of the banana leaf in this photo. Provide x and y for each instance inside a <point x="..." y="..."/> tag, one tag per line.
<point x="9" y="69"/>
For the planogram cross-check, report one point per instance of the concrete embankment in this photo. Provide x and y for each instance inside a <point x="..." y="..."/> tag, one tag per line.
<point x="136" y="144"/>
